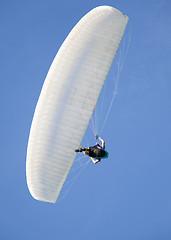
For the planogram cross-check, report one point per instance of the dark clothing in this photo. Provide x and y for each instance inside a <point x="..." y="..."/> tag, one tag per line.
<point x="96" y="152"/>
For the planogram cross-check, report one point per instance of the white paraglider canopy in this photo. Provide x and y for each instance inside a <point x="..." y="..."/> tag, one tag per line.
<point x="68" y="98"/>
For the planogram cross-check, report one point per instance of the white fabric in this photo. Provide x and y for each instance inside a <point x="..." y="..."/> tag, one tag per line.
<point x="68" y="98"/>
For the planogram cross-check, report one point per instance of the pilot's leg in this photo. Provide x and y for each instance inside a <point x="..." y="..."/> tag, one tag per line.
<point x="80" y="149"/>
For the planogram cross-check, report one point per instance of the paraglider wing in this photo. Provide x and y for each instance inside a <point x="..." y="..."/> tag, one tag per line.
<point x="68" y="98"/>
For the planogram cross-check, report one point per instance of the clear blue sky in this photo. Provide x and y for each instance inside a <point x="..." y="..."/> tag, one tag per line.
<point x="129" y="195"/>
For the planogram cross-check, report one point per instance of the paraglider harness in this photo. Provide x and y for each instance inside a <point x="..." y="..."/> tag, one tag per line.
<point x="96" y="152"/>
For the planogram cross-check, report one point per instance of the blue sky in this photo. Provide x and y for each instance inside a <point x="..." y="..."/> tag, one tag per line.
<point x="129" y="195"/>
